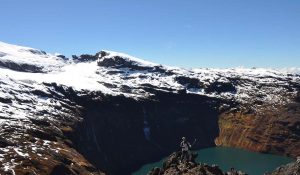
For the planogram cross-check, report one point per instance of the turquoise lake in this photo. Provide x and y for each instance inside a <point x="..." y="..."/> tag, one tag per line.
<point x="252" y="163"/>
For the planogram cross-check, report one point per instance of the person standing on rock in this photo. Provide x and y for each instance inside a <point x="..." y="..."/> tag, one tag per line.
<point x="185" y="150"/>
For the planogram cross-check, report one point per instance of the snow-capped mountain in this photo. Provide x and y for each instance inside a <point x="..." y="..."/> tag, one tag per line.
<point x="116" y="73"/>
<point x="66" y="111"/>
<point x="27" y="59"/>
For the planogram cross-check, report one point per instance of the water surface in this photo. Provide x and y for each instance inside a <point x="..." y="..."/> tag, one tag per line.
<point x="252" y="163"/>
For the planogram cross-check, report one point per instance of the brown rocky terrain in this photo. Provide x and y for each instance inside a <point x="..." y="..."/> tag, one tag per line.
<point x="269" y="129"/>
<point x="33" y="145"/>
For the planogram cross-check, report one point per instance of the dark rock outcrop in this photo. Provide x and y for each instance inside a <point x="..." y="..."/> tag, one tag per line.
<point x="141" y="131"/>
<point x="85" y="58"/>
<point x="123" y="62"/>
<point x="22" y="67"/>
<point x="5" y="100"/>
<point x="298" y="97"/>
<point x="220" y="87"/>
<point x="174" y="166"/>
<point x="289" y="169"/>
<point x="120" y="62"/>
<point x="189" y="82"/>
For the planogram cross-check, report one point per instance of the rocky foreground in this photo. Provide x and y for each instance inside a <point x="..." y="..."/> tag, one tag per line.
<point x="174" y="166"/>
<point x="289" y="169"/>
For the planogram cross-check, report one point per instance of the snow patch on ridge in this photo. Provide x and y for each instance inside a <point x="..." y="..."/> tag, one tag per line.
<point x="30" y="56"/>
<point x="112" y="54"/>
<point x="133" y="82"/>
<point x="291" y="70"/>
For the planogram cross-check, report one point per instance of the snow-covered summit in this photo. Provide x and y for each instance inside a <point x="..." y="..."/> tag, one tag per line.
<point x="28" y="59"/>
<point x="117" y="60"/>
<point x="105" y="54"/>
<point x="121" y="74"/>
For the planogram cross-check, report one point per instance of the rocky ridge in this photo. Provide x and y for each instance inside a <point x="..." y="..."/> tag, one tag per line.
<point x="81" y="115"/>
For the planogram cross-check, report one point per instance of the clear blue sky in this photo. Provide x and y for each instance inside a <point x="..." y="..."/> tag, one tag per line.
<point x="186" y="33"/>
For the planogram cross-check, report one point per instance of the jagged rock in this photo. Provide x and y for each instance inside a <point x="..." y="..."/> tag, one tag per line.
<point x="4" y="143"/>
<point x="87" y="57"/>
<point x="5" y="100"/>
<point x="62" y="56"/>
<point x="102" y="54"/>
<point x="189" y="82"/>
<point x="173" y="165"/>
<point x="289" y="169"/>
<point x="220" y="87"/>
<point x="23" y="67"/>
<point x="120" y="62"/>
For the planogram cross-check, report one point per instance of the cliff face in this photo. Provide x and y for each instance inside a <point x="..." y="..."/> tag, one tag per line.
<point x="270" y="129"/>
<point x="112" y="113"/>
<point x="141" y="131"/>
<point x="34" y="127"/>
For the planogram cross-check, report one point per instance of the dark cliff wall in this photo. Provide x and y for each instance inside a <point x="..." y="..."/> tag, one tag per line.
<point x="119" y="134"/>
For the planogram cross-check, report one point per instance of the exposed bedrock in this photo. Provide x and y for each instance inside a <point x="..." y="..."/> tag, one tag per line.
<point x="271" y="129"/>
<point x="20" y="67"/>
<point x="37" y="143"/>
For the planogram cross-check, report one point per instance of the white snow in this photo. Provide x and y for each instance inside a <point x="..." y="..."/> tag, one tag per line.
<point x="79" y="76"/>
<point x="18" y="151"/>
<point x="128" y="58"/>
<point x="90" y="76"/>
<point x="30" y="56"/>
<point x="291" y="70"/>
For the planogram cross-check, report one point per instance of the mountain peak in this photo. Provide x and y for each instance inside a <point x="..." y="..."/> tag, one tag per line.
<point x="27" y="59"/>
<point x="120" y="60"/>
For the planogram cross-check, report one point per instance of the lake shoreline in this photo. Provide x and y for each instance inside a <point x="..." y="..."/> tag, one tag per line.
<point x="253" y="163"/>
